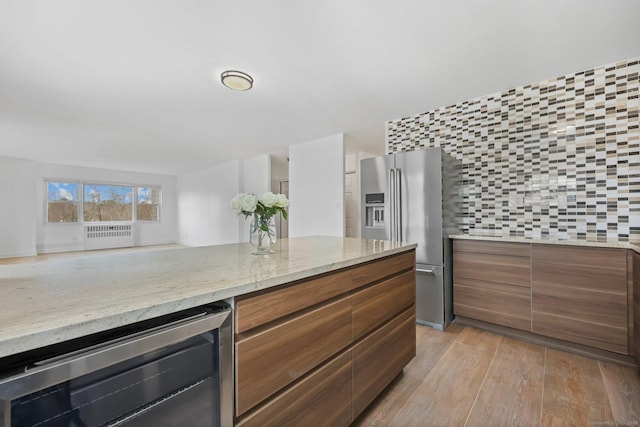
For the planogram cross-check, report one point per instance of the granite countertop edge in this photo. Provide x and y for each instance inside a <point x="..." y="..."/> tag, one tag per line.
<point x="536" y="240"/>
<point x="25" y="338"/>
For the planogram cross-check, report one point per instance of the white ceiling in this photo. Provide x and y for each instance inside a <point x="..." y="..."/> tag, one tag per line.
<point x="133" y="84"/>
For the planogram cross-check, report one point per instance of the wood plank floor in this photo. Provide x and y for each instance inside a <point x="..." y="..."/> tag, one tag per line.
<point x="84" y="254"/>
<point x="468" y="377"/>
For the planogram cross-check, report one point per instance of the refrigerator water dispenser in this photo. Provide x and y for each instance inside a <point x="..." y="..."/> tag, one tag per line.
<point x="374" y="210"/>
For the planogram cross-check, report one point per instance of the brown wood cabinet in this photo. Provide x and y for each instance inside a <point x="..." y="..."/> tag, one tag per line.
<point x="277" y="356"/>
<point x="321" y="399"/>
<point x="492" y="282"/>
<point x="634" y="272"/>
<point x="275" y="304"/>
<point x="371" y="272"/>
<point x="318" y="351"/>
<point x="377" y="304"/>
<point x="380" y="357"/>
<point x="580" y="295"/>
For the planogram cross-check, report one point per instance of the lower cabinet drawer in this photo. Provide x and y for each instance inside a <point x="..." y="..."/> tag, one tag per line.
<point x="497" y="303"/>
<point x="371" y="272"/>
<point x="321" y="399"/>
<point x="271" y="359"/>
<point x="260" y="309"/>
<point x="634" y="263"/>
<point x="510" y="269"/>
<point x="381" y="356"/>
<point x="580" y="295"/>
<point x="606" y="337"/>
<point x="377" y="304"/>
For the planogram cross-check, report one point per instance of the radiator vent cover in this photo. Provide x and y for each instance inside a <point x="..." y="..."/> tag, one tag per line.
<point x="106" y="236"/>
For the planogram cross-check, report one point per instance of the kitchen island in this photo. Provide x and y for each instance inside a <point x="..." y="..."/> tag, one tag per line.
<point x="360" y="292"/>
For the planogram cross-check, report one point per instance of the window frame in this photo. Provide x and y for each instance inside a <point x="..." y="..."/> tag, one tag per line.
<point x="100" y="184"/>
<point x="80" y="202"/>
<point x="135" y="208"/>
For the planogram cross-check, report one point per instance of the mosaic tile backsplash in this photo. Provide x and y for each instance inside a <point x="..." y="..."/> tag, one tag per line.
<point x="557" y="160"/>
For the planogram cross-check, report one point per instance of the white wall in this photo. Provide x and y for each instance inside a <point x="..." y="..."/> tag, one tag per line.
<point x="69" y="237"/>
<point x="17" y="208"/>
<point x="204" y="214"/>
<point x="254" y="177"/>
<point x="316" y="187"/>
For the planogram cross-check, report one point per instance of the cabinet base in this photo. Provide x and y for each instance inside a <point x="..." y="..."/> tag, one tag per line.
<point x="437" y="326"/>
<point x="581" y="350"/>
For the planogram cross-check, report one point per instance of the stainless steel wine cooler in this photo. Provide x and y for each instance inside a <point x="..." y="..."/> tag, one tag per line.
<point x="171" y="371"/>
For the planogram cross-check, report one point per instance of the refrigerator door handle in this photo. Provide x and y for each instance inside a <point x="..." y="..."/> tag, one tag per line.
<point x="422" y="270"/>
<point x="399" y="204"/>
<point x="392" y="206"/>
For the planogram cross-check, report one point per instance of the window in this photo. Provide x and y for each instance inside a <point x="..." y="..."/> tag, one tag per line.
<point x="148" y="203"/>
<point x="101" y="202"/>
<point x="62" y="201"/>
<point x="104" y="202"/>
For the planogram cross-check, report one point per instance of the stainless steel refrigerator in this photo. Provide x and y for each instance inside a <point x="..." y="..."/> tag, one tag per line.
<point x="412" y="197"/>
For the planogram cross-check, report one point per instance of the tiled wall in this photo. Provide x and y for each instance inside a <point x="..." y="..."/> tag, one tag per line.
<point x="559" y="159"/>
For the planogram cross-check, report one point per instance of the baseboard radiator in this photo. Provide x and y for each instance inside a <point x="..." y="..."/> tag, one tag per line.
<point x="106" y="236"/>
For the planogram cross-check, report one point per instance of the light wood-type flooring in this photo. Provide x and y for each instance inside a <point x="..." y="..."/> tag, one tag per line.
<point x="468" y="377"/>
<point x="84" y="254"/>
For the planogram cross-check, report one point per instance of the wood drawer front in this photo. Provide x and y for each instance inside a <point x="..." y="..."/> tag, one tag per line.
<point x="379" y="269"/>
<point x="321" y="399"/>
<point x="269" y="360"/>
<point x="593" y="278"/>
<point x="597" y="277"/>
<point x="513" y="270"/>
<point x="611" y="259"/>
<point x="376" y="304"/>
<point x="380" y="357"/>
<point x="584" y="304"/>
<point x="497" y="303"/>
<point x="587" y="333"/>
<point x="257" y="310"/>
<point x="497" y="248"/>
<point x="635" y="263"/>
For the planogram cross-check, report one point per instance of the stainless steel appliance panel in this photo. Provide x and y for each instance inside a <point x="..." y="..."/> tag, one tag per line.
<point x="188" y="407"/>
<point x="421" y="192"/>
<point x="143" y="369"/>
<point x="375" y="178"/>
<point x="430" y="296"/>
<point x="420" y="176"/>
<point x="98" y="400"/>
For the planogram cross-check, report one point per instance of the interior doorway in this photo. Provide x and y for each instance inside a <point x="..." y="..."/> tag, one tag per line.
<point x="282" y="225"/>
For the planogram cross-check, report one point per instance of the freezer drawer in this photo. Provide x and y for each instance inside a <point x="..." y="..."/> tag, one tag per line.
<point x="430" y="296"/>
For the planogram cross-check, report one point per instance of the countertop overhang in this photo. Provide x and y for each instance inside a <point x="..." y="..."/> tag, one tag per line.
<point x="47" y="302"/>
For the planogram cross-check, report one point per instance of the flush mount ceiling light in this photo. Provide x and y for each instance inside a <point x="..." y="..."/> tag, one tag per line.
<point x="236" y="80"/>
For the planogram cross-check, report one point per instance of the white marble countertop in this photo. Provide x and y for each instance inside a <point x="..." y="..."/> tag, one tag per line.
<point x="46" y="302"/>
<point x="623" y="245"/>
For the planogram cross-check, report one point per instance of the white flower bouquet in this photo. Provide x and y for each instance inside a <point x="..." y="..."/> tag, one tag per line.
<point x="265" y="206"/>
<point x="262" y="211"/>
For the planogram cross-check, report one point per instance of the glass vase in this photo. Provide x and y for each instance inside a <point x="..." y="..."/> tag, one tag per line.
<point x="262" y="234"/>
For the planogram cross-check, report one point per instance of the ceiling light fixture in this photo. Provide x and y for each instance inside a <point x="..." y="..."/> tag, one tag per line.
<point x="236" y="80"/>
